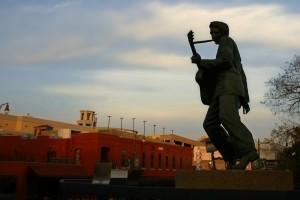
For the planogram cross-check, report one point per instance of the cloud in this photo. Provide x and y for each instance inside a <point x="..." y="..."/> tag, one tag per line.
<point x="74" y="90"/>
<point x="72" y="35"/>
<point x="267" y="24"/>
<point x="49" y="8"/>
<point x="51" y="50"/>
<point x="120" y="82"/>
<point x="161" y="20"/>
<point x="149" y="57"/>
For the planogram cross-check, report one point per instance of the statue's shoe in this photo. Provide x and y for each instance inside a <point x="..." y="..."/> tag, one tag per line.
<point x="229" y="165"/>
<point x="245" y="160"/>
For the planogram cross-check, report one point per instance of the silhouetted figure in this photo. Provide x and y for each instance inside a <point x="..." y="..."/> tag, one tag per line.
<point x="229" y="93"/>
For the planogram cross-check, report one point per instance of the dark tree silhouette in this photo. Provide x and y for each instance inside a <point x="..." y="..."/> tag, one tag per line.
<point x="283" y="98"/>
<point x="285" y="135"/>
<point x="284" y="90"/>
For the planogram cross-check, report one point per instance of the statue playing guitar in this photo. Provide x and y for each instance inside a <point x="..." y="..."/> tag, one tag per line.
<point x="223" y="86"/>
<point x="203" y="77"/>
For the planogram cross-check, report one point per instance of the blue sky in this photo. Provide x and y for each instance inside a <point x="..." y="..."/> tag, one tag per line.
<point x="131" y="59"/>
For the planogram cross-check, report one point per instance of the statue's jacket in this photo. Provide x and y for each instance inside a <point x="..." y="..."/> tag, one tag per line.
<point x="230" y="78"/>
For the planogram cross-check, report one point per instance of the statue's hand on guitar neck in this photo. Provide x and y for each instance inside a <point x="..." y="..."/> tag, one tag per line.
<point x="196" y="58"/>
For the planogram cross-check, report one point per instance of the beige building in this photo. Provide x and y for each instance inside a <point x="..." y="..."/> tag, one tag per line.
<point x="265" y="151"/>
<point x="35" y="126"/>
<point x="175" y="139"/>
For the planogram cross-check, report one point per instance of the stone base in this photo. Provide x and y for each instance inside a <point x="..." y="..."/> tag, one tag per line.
<point x="235" y="179"/>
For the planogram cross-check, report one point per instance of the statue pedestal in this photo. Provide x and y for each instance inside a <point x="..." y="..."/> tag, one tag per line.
<point x="235" y="179"/>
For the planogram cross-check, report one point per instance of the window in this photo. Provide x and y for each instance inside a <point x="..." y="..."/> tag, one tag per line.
<point x="177" y="142"/>
<point x="167" y="162"/>
<point x="180" y="163"/>
<point x="159" y="161"/>
<point x="187" y="145"/>
<point x="144" y="160"/>
<point x="124" y="161"/>
<point x="104" y="153"/>
<point x="152" y="160"/>
<point x="174" y="162"/>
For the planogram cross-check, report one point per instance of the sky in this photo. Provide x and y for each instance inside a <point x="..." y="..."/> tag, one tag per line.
<point x="131" y="59"/>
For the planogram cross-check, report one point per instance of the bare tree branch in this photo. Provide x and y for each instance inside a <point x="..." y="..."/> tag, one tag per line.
<point x="284" y="90"/>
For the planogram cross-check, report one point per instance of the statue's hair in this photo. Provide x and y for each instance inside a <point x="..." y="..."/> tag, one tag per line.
<point x="223" y="27"/>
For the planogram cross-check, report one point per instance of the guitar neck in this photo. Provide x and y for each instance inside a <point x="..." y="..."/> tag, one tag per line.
<point x="193" y="48"/>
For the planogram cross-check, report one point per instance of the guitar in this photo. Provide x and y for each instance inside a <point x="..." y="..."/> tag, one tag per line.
<point x="204" y="78"/>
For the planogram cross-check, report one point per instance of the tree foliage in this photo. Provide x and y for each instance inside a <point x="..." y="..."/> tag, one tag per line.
<point x="284" y="90"/>
<point x="283" y="98"/>
<point x="285" y="135"/>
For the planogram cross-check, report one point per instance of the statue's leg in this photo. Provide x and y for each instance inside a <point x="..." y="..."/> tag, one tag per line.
<point x="216" y="133"/>
<point x="242" y="138"/>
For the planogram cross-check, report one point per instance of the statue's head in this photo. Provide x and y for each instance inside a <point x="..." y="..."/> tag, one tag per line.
<point x="217" y="30"/>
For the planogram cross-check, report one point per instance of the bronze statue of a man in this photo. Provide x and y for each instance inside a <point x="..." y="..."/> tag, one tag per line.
<point x="222" y="122"/>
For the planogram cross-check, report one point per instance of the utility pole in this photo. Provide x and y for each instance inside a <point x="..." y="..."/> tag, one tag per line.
<point x="121" y="118"/>
<point x="108" y="120"/>
<point x="144" y="128"/>
<point x="133" y="124"/>
<point x="154" y="129"/>
<point x="134" y="146"/>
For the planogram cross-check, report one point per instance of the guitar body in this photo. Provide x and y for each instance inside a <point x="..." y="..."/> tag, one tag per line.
<point x="204" y="78"/>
